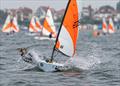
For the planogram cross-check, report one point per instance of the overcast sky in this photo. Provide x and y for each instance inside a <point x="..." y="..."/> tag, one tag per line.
<point x="57" y="4"/>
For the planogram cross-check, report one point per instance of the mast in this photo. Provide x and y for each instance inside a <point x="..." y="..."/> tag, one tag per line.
<point x="59" y="31"/>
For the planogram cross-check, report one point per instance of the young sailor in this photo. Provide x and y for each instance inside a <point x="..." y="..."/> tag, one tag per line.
<point x="23" y="52"/>
<point x="50" y="36"/>
<point x="29" y="57"/>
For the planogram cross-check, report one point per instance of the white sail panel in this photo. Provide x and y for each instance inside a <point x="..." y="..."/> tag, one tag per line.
<point x="45" y="32"/>
<point x="66" y="43"/>
<point x="15" y="25"/>
<point x="49" y="18"/>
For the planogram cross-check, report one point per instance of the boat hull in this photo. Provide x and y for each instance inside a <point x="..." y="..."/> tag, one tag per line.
<point x="42" y="63"/>
<point x="31" y="34"/>
<point x="49" y="67"/>
<point x="44" y="38"/>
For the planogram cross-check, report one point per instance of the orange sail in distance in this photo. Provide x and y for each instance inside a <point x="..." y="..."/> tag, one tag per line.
<point x="10" y="24"/>
<point x="35" y="25"/>
<point x="104" y="26"/>
<point x="111" y="27"/>
<point x="48" y="25"/>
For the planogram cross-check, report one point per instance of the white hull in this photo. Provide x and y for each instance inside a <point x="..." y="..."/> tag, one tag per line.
<point x="49" y="67"/>
<point x="44" y="38"/>
<point x="31" y="34"/>
<point x="43" y="64"/>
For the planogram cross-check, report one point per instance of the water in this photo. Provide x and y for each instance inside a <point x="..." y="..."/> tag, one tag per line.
<point x="98" y="61"/>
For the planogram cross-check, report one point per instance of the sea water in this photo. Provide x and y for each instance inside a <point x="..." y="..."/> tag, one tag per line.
<point x="97" y="59"/>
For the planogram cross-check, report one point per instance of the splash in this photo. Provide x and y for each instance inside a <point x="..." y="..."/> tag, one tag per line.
<point x="83" y="63"/>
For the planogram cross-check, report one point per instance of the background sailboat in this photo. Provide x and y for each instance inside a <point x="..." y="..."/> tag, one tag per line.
<point x="111" y="27"/>
<point x="104" y="26"/>
<point x="10" y="25"/>
<point x="48" y="27"/>
<point x="106" y="29"/>
<point x="34" y="26"/>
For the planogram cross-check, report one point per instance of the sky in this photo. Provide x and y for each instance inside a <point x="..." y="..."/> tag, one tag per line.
<point x="56" y="4"/>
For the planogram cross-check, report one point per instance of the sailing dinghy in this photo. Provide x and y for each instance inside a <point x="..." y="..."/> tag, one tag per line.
<point x="108" y="29"/>
<point x="48" y="31"/>
<point x="10" y="26"/>
<point x="34" y="26"/>
<point x="111" y="27"/>
<point x="65" y="41"/>
<point x="104" y="26"/>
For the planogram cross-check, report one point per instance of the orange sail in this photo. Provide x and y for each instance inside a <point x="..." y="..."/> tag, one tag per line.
<point x="10" y="24"/>
<point x="48" y="25"/>
<point x="104" y="26"/>
<point x="111" y="28"/>
<point x="35" y="25"/>
<point x="68" y="34"/>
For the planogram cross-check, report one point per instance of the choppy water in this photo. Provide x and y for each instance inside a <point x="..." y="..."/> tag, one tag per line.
<point x="99" y="59"/>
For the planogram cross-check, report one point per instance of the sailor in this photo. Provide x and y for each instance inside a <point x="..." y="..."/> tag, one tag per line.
<point x="23" y="52"/>
<point x="104" y="33"/>
<point x="8" y="33"/>
<point x="48" y="60"/>
<point x="40" y="34"/>
<point x="98" y="33"/>
<point x="50" y="35"/>
<point x="13" y="32"/>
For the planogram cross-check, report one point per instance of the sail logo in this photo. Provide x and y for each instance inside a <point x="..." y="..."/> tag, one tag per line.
<point x="76" y="24"/>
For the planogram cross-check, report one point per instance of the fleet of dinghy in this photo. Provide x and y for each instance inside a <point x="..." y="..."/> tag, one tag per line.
<point x="47" y="31"/>
<point x="10" y="26"/>
<point x="106" y="28"/>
